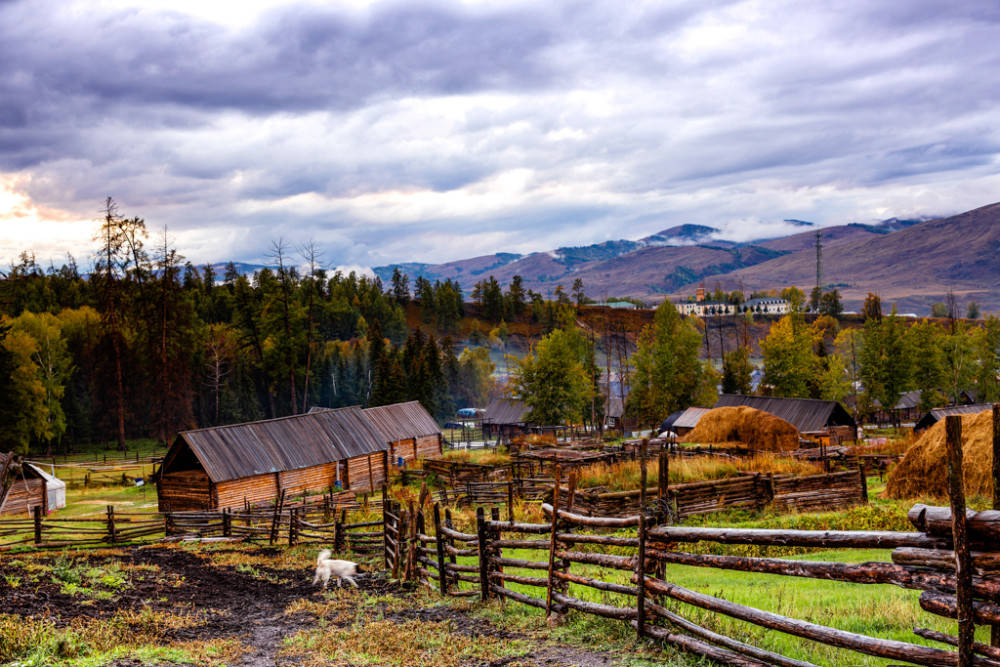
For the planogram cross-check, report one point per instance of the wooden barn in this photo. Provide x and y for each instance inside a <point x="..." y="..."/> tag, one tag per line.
<point x="408" y="428"/>
<point x="22" y="486"/>
<point x="813" y="417"/>
<point x="226" y="466"/>
<point x="505" y="417"/>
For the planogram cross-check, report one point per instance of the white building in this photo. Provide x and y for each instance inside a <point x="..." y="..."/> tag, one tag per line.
<point x="759" y="306"/>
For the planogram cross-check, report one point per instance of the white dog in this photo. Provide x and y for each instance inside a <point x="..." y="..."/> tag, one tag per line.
<point x="327" y="567"/>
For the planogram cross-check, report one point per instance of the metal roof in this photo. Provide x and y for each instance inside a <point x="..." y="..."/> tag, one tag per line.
<point x="808" y="415"/>
<point x="288" y="443"/>
<point x="506" y="411"/>
<point x="908" y="399"/>
<point x="937" y="414"/>
<point x="402" y="421"/>
<point x="689" y="418"/>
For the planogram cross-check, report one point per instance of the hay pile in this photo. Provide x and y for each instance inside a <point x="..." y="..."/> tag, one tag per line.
<point x="753" y="428"/>
<point x="923" y="472"/>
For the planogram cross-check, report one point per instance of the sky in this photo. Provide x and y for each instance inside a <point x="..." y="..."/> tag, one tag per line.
<point x="432" y="131"/>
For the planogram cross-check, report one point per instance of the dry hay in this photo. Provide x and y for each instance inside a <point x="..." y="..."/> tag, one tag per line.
<point x="923" y="472"/>
<point x="524" y="443"/>
<point x="747" y="426"/>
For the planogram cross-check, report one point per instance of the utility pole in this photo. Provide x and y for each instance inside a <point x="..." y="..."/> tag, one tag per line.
<point x="819" y="260"/>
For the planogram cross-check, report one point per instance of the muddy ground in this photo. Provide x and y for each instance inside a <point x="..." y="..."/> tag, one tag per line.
<point x="247" y="603"/>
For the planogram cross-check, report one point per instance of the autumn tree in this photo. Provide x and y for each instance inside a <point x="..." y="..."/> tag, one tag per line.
<point x="552" y="381"/>
<point x="668" y="374"/>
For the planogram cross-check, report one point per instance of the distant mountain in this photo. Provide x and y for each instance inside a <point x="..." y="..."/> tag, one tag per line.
<point x="799" y="223"/>
<point x="680" y="235"/>
<point x="913" y="264"/>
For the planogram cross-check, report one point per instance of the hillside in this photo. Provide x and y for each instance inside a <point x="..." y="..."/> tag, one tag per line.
<point x="912" y="267"/>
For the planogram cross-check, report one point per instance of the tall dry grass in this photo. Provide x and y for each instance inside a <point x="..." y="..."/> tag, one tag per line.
<point x="625" y="475"/>
<point x="481" y="456"/>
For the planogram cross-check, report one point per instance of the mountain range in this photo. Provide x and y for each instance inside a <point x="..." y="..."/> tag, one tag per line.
<point x="909" y="262"/>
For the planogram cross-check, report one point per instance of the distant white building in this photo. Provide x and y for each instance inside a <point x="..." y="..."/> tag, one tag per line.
<point x="758" y="306"/>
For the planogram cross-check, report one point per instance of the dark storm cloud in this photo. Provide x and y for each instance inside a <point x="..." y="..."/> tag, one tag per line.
<point x="385" y="129"/>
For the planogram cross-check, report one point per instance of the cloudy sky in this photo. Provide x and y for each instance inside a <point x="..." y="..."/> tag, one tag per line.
<point x="433" y="131"/>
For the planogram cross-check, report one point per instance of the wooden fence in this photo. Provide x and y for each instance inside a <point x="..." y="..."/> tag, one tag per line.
<point x="953" y="558"/>
<point x="753" y="491"/>
<point x="292" y="525"/>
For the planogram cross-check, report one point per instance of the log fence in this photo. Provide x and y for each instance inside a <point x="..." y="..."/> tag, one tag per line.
<point x="952" y="557"/>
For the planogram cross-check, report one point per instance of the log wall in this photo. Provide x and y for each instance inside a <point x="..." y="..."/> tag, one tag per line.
<point x="183" y="491"/>
<point x="412" y="449"/>
<point x="254" y="489"/>
<point x="23" y="495"/>
<point x="366" y="473"/>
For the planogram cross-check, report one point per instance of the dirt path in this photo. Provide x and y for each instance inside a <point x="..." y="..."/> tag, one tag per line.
<point x="248" y="602"/>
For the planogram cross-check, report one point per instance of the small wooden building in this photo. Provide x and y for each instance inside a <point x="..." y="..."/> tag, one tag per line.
<point x="227" y="466"/>
<point x="813" y="417"/>
<point x="687" y="420"/>
<point x="505" y="417"/>
<point x="409" y="430"/>
<point x="937" y="414"/>
<point x="22" y="486"/>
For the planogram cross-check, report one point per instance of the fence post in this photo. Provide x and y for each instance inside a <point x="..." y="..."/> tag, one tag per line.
<point x="959" y="530"/>
<point x="227" y="523"/>
<point x="400" y="538"/>
<point x="36" y="512"/>
<point x="640" y="561"/>
<point x="385" y="533"/>
<point x="452" y="558"/>
<point x="338" y="534"/>
<point x="439" y="544"/>
<point x="863" y="479"/>
<point x="418" y="544"/>
<point x="496" y="550"/>
<point x="552" y="540"/>
<point x="292" y="517"/>
<point x="484" y="555"/>
<point x="112" y="531"/>
<point x="510" y="501"/>
<point x="995" y="629"/>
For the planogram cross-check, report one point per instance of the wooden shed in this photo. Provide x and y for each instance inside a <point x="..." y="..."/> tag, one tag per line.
<point x="22" y="486"/>
<point x="506" y="417"/>
<point x="810" y="416"/>
<point x="937" y="414"/>
<point x="226" y="466"/>
<point x="408" y="428"/>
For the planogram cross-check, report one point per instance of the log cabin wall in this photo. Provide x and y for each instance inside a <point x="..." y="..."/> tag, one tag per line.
<point x="183" y="491"/>
<point x="316" y="478"/>
<point x="24" y="495"/>
<point x="255" y="489"/>
<point x="366" y="473"/>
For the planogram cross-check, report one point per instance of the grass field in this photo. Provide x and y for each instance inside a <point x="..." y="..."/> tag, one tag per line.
<point x="400" y="627"/>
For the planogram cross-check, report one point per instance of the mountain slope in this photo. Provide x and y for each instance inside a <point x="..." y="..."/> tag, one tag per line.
<point x="913" y="266"/>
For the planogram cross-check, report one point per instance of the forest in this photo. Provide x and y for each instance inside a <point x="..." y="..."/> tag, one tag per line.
<point x="147" y="344"/>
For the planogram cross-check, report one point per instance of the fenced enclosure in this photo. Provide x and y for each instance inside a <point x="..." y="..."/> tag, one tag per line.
<point x="952" y="557"/>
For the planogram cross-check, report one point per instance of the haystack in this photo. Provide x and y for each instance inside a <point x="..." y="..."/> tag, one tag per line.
<point x="923" y="471"/>
<point x="753" y="428"/>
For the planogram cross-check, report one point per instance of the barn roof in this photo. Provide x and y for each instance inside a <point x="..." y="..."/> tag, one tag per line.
<point x="402" y="421"/>
<point x="908" y="400"/>
<point x="808" y="415"/>
<point x="506" y="411"/>
<point x="689" y="418"/>
<point x="937" y="414"/>
<point x="287" y="443"/>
